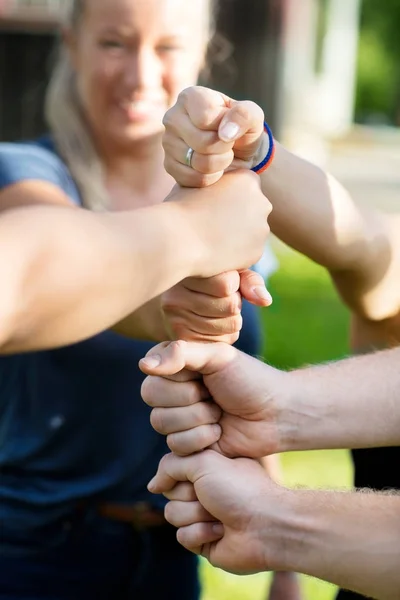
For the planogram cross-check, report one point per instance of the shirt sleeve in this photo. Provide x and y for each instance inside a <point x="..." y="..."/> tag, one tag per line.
<point x="29" y="162"/>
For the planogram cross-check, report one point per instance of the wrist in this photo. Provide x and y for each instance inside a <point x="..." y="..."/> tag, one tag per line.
<point x="305" y="419"/>
<point x="298" y="538"/>
<point x="281" y="530"/>
<point x="193" y="251"/>
<point x="289" y="417"/>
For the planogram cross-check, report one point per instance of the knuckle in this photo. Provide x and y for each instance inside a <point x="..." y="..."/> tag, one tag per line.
<point x="168" y="117"/>
<point x="169" y="514"/>
<point x="178" y="347"/>
<point x="229" y="282"/>
<point x="202" y="415"/>
<point x="171" y="299"/>
<point x="178" y="446"/>
<point x="187" y="93"/>
<point x="205" y="116"/>
<point x="147" y="391"/>
<point x="206" y="179"/>
<point x="205" y="436"/>
<point x="234" y="324"/>
<point x="193" y="393"/>
<point x="157" y="420"/>
<point x="231" y="305"/>
<point x="242" y="110"/>
<point x="212" y="163"/>
<point x="255" y="110"/>
<point x="164" y="462"/>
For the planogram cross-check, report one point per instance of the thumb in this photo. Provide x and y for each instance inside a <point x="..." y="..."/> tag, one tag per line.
<point x="169" y="359"/>
<point x="252" y="288"/>
<point x="242" y="118"/>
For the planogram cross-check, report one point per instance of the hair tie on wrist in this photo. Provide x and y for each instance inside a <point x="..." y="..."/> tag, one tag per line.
<point x="266" y="162"/>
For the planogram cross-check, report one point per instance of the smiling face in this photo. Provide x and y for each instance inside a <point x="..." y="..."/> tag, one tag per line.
<point x="132" y="58"/>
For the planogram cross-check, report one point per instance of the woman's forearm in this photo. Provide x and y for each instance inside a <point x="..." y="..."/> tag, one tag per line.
<point x="315" y="215"/>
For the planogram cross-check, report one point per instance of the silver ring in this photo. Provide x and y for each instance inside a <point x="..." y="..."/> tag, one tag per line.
<point x="189" y="157"/>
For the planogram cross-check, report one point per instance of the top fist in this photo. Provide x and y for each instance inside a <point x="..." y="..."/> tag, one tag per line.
<point x="207" y="133"/>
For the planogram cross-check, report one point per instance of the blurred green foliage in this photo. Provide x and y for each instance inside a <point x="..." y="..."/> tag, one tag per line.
<point x="378" y="86"/>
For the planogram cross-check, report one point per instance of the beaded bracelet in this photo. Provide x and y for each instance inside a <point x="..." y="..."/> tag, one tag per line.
<point x="266" y="162"/>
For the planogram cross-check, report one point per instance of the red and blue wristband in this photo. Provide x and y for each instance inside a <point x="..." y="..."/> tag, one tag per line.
<point x="266" y="162"/>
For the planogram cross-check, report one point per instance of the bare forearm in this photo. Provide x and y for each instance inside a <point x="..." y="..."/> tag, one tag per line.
<point x="315" y="215"/>
<point x="349" y="539"/>
<point x="69" y="276"/>
<point x="353" y="403"/>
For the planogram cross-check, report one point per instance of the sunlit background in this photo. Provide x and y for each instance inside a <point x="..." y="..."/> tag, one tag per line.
<point x="327" y="73"/>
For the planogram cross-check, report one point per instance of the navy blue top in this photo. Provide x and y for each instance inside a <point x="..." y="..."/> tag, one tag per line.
<point x="72" y="422"/>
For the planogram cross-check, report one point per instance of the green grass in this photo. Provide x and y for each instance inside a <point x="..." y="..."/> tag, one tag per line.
<point x="306" y="324"/>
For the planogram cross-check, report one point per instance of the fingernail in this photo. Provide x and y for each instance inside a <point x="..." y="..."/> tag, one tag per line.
<point x="218" y="528"/>
<point x="151" y="362"/>
<point x="262" y="293"/>
<point x="229" y="131"/>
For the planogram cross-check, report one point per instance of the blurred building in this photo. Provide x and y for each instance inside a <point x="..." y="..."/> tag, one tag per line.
<point x="296" y="58"/>
<point x="27" y="29"/>
<point x="319" y="71"/>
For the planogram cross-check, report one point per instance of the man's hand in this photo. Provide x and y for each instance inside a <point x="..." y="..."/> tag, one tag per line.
<point x="223" y="133"/>
<point x="249" y="393"/>
<point x="227" y="514"/>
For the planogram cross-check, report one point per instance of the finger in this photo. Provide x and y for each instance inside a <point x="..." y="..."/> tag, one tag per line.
<point x="188" y="177"/>
<point x="205" y="305"/>
<point x="158" y="392"/>
<point x="195" y="356"/>
<point x="179" y="127"/>
<point x="181" y="514"/>
<point x="184" y="492"/>
<point x="183" y="376"/>
<point x="173" y="469"/>
<point x="189" y="326"/>
<point x="184" y="443"/>
<point x="242" y="118"/>
<point x="204" y="106"/>
<point x="172" y="420"/>
<point x="220" y="286"/>
<point x="252" y="288"/>
<point x="210" y="155"/>
<point x="195" y="537"/>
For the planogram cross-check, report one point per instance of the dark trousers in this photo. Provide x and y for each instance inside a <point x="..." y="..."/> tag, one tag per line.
<point x="102" y="560"/>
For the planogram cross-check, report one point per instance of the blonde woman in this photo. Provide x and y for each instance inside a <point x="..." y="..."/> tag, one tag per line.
<point x="76" y="444"/>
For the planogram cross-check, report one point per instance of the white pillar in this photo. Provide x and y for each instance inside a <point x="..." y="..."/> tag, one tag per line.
<point x="337" y="81"/>
<point x="298" y="60"/>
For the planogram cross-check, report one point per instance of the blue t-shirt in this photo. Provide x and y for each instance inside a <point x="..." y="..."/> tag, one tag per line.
<point x="73" y="426"/>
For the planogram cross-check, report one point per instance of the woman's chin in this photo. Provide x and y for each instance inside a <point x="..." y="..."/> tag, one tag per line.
<point x="137" y="132"/>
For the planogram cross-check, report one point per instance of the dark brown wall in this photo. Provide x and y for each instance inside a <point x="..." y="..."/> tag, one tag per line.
<point x="253" y="72"/>
<point x="24" y="62"/>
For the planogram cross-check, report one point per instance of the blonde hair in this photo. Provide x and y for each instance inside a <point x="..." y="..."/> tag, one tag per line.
<point x="67" y="122"/>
